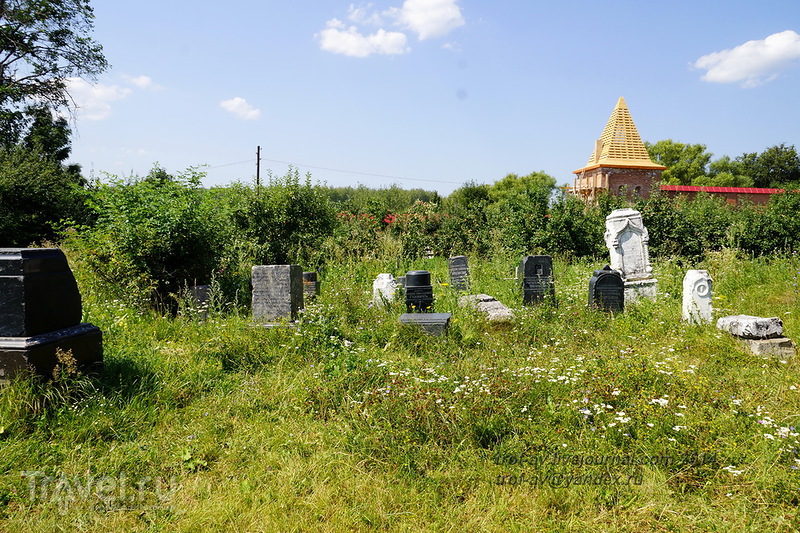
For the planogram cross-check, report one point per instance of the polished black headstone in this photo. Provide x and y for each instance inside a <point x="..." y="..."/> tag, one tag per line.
<point x="607" y="290"/>
<point x="38" y="292"/>
<point x="459" y="272"/>
<point x="40" y="313"/>
<point x="537" y="278"/>
<point x="419" y="291"/>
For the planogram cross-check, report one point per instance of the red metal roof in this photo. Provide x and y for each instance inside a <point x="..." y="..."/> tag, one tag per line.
<point x="740" y="190"/>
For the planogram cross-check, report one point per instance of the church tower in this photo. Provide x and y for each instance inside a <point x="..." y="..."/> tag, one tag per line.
<point x="620" y="164"/>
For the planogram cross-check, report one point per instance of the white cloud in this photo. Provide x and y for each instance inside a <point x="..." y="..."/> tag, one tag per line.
<point x="93" y="101"/>
<point x="430" y="18"/>
<point x="754" y="62"/>
<point x="426" y="18"/>
<point x="142" y="82"/>
<point x="339" y="39"/>
<point x="240" y="108"/>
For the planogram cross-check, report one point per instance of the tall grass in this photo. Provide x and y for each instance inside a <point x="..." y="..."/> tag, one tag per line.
<point x="567" y="419"/>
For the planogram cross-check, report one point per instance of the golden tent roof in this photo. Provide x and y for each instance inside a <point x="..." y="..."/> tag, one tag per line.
<point x="620" y="144"/>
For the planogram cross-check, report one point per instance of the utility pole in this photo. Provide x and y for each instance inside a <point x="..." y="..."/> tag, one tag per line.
<point x="258" y="167"/>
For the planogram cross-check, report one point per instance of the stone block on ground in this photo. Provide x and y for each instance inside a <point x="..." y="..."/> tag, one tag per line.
<point x="781" y="347"/>
<point x="751" y="327"/>
<point x="431" y="323"/>
<point x="494" y="310"/>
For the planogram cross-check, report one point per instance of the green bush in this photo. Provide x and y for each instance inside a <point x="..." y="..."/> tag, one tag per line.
<point x="153" y="236"/>
<point x="286" y="221"/>
<point x="37" y="194"/>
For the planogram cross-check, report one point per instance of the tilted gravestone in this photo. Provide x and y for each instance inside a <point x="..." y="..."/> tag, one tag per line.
<point x="537" y="278"/>
<point x="697" y="308"/>
<point x="40" y="313"/>
<point x="607" y="290"/>
<point x="459" y="272"/>
<point x="384" y="289"/>
<point x="277" y="292"/>
<point x="627" y="240"/>
<point x="419" y="291"/>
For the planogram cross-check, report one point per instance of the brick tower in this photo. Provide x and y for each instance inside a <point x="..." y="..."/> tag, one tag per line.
<point x="619" y="164"/>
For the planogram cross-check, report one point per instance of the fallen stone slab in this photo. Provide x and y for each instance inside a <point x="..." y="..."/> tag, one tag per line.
<point x="494" y="310"/>
<point x="781" y="347"/>
<point x="751" y="327"/>
<point x="431" y="323"/>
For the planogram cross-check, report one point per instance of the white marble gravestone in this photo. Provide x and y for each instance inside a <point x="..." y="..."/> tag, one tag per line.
<point x="384" y="289"/>
<point x="626" y="239"/>
<point x="697" y="308"/>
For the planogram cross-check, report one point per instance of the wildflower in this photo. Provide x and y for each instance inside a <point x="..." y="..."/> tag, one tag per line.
<point x="660" y="401"/>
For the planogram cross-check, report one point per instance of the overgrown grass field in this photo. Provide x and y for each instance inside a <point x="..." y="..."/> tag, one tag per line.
<point x="568" y="419"/>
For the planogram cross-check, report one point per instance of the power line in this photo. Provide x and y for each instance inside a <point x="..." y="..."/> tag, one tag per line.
<point x="363" y="173"/>
<point x="336" y="170"/>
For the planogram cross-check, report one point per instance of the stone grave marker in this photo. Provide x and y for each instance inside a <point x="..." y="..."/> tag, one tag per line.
<point x="310" y="286"/>
<point x="419" y="291"/>
<point x="277" y="292"/>
<point x="384" y="289"/>
<point x="763" y="336"/>
<point x="40" y="313"/>
<point x="431" y="323"/>
<point x="697" y="308"/>
<point x="607" y="290"/>
<point x="494" y="310"/>
<point x="627" y="240"/>
<point x="537" y="278"/>
<point x="459" y="272"/>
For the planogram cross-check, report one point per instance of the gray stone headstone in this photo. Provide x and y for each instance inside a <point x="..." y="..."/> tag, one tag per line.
<point x="277" y="292"/>
<point x="536" y="272"/>
<point x="40" y="313"/>
<point x="459" y="272"/>
<point x="607" y="290"/>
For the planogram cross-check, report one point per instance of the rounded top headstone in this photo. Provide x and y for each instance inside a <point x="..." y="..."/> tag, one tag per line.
<point x="418" y="278"/>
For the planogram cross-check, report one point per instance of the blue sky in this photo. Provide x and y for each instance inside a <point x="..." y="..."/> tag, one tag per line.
<point x="428" y="93"/>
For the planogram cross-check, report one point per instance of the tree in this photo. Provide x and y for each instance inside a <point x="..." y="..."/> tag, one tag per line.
<point x="725" y="172"/>
<point x="684" y="162"/>
<point x="42" y="44"/>
<point x="777" y="166"/>
<point x="37" y="194"/>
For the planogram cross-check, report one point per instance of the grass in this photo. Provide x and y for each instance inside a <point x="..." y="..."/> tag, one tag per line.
<point x="568" y="419"/>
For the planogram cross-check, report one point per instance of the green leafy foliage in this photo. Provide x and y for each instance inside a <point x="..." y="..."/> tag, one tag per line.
<point x="38" y="196"/>
<point x="286" y="221"/>
<point x="153" y="235"/>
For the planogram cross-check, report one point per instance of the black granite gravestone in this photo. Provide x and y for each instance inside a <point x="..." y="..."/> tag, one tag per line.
<point x="431" y="323"/>
<point x="419" y="291"/>
<point x="537" y="278"/>
<point x="607" y="290"/>
<point x="459" y="272"/>
<point x="40" y="313"/>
